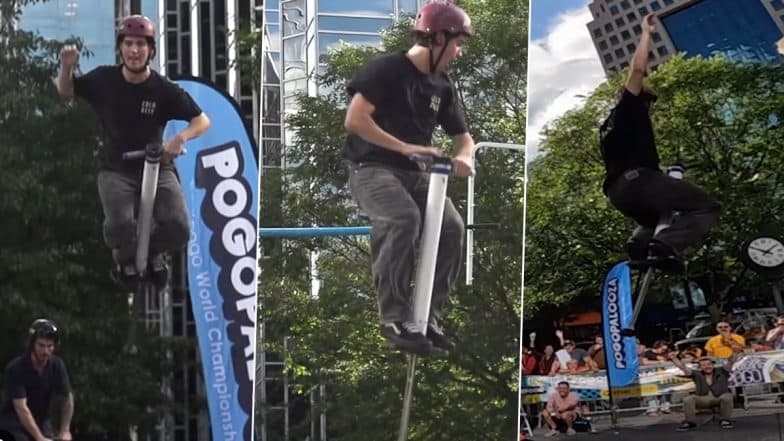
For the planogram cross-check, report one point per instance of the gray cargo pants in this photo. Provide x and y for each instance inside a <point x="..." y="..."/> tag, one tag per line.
<point x="395" y="201"/>
<point x="647" y="194"/>
<point x="119" y="193"/>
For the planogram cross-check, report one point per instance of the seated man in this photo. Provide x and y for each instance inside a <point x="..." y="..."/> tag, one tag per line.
<point x="712" y="389"/>
<point x="775" y="337"/>
<point x="655" y="355"/>
<point x="548" y="362"/>
<point x="571" y="352"/>
<point x="529" y="362"/>
<point x="561" y="410"/>
<point x="597" y="353"/>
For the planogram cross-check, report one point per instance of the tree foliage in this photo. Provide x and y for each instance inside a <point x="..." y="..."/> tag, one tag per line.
<point x="53" y="261"/>
<point x="333" y="338"/>
<point x="724" y="117"/>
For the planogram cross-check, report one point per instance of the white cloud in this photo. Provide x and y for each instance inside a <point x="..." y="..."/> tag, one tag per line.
<point x="560" y="66"/>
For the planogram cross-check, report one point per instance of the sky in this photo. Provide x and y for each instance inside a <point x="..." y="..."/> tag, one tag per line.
<point x="562" y="63"/>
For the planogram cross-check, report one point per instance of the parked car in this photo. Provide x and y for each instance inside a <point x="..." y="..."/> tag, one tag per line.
<point x="586" y="344"/>
<point x="752" y="324"/>
<point x="699" y="334"/>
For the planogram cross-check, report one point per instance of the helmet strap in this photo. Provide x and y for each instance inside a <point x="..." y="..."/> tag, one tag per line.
<point x="447" y="38"/>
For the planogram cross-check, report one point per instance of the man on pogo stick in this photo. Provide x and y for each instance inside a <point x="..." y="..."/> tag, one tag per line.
<point x="134" y="103"/>
<point x="396" y="102"/>
<point x="637" y="187"/>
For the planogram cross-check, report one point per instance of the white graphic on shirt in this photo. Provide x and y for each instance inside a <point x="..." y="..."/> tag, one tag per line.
<point x="435" y="103"/>
<point x="148" y="107"/>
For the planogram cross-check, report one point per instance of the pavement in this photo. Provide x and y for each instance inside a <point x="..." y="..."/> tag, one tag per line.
<point x="763" y="421"/>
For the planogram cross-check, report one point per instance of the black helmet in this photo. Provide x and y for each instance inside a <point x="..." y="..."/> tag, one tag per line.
<point x="43" y="328"/>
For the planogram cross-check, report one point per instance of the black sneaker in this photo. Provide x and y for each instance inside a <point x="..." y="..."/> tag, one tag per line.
<point x="726" y="424"/>
<point x="686" y="426"/>
<point x="665" y="258"/>
<point x="405" y="336"/>
<point x="637" y="250"/>
<point x="436" y="336"/>
<point x="158" y="270"/>
<point x="125" y="276"/>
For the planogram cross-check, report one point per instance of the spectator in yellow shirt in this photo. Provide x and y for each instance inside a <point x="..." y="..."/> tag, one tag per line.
<point x="725" y="343"/>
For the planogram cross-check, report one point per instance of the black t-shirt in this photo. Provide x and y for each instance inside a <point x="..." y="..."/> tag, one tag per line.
<point x="651" y="355"/>
<point x="408" y="105"/>
<point x="132" y="115"/>
<point x="626" y="138"/>
<point x="579" y="354"/>
<point x="23" y="381"/>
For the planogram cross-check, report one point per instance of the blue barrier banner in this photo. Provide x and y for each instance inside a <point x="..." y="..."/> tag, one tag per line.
<point x="622" y="362"/>
<point x="219" y="175"/>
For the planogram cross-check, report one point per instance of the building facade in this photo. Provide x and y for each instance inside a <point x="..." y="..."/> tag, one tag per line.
<point x="692" y="27"/>
<point x="196" y="39"/>
<point x="297" y="36"/>
<point x="91" y="20"/>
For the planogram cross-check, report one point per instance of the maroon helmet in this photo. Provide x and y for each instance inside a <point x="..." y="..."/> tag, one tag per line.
<point x="438" y="17"/>
<point x="136" y="26"/>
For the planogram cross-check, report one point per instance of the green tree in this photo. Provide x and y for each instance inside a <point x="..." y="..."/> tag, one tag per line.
<point x="334" y="339"/>
<point x="53" y="262"/>
<point x="722" y="115"/>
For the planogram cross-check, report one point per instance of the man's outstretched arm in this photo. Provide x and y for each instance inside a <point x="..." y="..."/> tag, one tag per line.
<point x="640" y="58"/>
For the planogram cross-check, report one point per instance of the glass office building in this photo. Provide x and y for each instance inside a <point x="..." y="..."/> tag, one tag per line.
<point x="741" y="30"/>
<point x="297" y="36"/>
<point x="91" y="20"/>
<point x="271" y="120"/>
<point x="711" y="27"/>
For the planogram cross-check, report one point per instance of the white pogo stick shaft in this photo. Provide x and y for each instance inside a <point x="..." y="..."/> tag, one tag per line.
<point x="428" y="248"/>
<point x="144" y="220"/>
<point x="426" y="266"/>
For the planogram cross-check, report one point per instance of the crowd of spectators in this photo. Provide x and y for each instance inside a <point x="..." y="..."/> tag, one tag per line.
<point x="562" y="411"/>
<point x="567" y="358"/>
